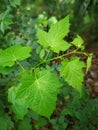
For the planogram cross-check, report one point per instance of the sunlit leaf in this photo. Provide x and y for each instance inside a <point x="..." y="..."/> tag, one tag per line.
<point x="10" y="55"/>
<point x="72" y="72"/>
<point x="54" y="39"/>
<point x="39" y="92"/>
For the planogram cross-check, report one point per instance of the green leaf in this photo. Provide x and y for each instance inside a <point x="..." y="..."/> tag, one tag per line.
<point x="6" y="70"/>
<point x="5" y="24"/>
<point x="78" y="41"/>
<point x="60" y="29"/>
<point x="25" y="125"/>
<point x="10" y="55"/>
<point x="6" y="20"/>
<point x="54" y="38"/>
<point x="89" y="61"/>
<point x="15" y="2"/>
<point x="43" y="38"/>
<point x="19" y="105"/>
<point x="5" y="121"/>
<point x="59" y="45"/>
<point x="72" y="72"/>
<point x="39" y="91"/>
<point x="42" y="53"/>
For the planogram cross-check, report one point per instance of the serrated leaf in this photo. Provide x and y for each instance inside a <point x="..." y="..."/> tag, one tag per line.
<point x="19" y="106"/>
<point x="25" y="125"/>
<point x="54" y="38"/>
<point x="43" y="38"/>
<point x="72" y="72"/>
<point x="58" y="45"/>
<point x="60" y="29"/>
<point x="10" y="55"/>
<point x="78" y="41"/>
<point x="5" y="120"/>
<point x="39" y="91"/>
<point x="89" y="61"/>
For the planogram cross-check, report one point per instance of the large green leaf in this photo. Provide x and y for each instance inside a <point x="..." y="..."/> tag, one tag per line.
<point x="54" y="38"/>
<point x="72" y="72"/>
<point x="14" y="53"/>
<point x="39" y="91"/>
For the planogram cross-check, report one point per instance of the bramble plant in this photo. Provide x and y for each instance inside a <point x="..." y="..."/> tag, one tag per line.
<point x="36" y="87"/>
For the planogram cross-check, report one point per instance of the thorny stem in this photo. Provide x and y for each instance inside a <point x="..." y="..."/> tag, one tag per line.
<point x="59" y="57"/>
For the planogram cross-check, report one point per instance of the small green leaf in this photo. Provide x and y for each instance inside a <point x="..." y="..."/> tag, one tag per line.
<point x="5" y="120"/>
<point x="42" y="53"/>
<point x="6" y="70"/>
<point x="54" y="38"/>
<point x="78" y="41"/>
<point x="52" y="21"/>
<point x="10" y="55"/>
<point x="15" y="2"/>
<point x="25" y="125"/>
<point x="6" y="20"/>
<point x="89" y="61"/>
<point x="72" y="72"/>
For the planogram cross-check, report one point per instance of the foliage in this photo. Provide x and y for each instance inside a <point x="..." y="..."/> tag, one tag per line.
<point x="82" y="113"/>
<point x="36" y="62"/>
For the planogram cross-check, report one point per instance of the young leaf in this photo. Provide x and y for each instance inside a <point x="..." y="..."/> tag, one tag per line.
<point x="54" y="38"/>
<point x="78" y="41"/>
<point x="89" y="60"/>
<point x="39" y="91"/>
<point x="72" y="72"/>
<point x="14" y="53"/>
<point x="42" y="53"/>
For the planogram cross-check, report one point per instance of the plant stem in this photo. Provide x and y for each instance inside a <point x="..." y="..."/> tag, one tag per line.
<point x="61" y="56"/>
<point x="20" y="66"/>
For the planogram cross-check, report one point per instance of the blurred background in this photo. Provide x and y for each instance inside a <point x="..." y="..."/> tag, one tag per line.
<point x="84" y="14"/>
